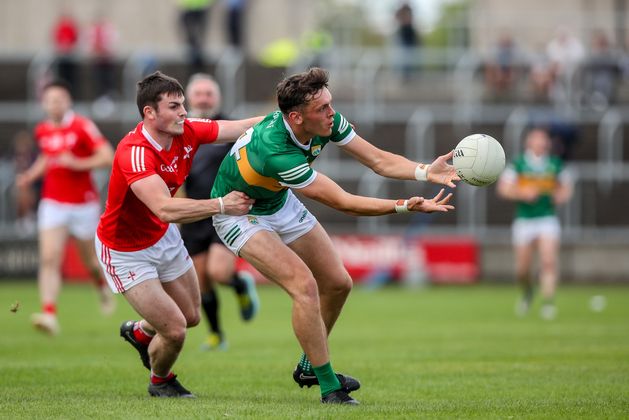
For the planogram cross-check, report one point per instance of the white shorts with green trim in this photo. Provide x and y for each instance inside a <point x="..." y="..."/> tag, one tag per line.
<point x="526" y="230"/>
<point x="292" y="221"/>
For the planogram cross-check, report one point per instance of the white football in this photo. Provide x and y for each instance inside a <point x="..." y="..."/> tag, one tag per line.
<point x="479" y="159"/>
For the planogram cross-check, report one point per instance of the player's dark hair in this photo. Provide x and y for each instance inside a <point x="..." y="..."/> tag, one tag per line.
<point x="58" y="83"/>
<point x="300" y="88"/>
<point x="153" y="86"/>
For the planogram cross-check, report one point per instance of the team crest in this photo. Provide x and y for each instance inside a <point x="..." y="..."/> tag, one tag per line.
<point x="315" y="150"/>
<point x="253" y="220"/>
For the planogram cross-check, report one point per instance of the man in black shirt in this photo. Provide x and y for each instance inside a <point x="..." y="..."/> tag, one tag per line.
<point x="213" y="262"/>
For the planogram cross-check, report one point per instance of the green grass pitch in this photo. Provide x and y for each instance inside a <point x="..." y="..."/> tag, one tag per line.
<point x="438" y="352"/>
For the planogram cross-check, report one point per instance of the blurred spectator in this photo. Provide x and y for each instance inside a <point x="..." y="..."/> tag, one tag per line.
<point x="26" y="196"/>
<point x="235" y="13"/>
<point x="537" y="182"/>
<point x="565" y="53"/>
<point x="602" y="73"/>
<point x="194" y="15"/>
<point x="407" y="39"/>
<point x="500" y="70"/>
<point x="65" y="39"/>
<point x="101" y="40"/>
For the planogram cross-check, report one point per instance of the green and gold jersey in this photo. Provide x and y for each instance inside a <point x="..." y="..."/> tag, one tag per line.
<point x="268" y="159"/>
<point x="542" y="173"/>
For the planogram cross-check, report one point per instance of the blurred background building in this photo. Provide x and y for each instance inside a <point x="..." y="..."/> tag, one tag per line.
<point x="414" y="77"/>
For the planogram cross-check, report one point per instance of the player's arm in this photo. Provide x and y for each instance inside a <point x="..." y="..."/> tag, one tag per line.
<point x="33" y="173"/>
<point x="391" y="165"/>
<point x="229" y="131"/>
<point x="102" y="157"/>
<point x="509" y="189"/>
<point x="565" y="188"/>
<point x="328" y="192"/>
<point x="153" y="192"/>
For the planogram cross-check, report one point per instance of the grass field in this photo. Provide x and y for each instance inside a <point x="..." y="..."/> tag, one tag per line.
<point x="440" y="352"/>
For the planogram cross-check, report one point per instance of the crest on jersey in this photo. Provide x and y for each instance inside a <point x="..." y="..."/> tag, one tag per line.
<point x="315" y="150"/>
<point x="253" y="220"/>
<point x="188" y="149"/>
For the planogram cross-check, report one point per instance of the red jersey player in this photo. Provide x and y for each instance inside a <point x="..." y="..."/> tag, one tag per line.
<point x="141" y="251"/>
<point x="71" y="146"/>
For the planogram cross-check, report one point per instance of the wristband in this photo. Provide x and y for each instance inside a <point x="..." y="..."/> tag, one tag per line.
<point x="222" y="206"/>
<point x="401" y="206"/>
<point x="421" y="172"/>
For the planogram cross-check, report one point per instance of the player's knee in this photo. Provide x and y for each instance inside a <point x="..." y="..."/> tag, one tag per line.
<point x="175" y="334"/>
<point x="307" y="292"/>
<point x="193" y="319"/>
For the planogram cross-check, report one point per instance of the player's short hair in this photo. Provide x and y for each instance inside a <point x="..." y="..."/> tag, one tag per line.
<point x="299" y="89"/>
<point x="153" y="86"/>
<point x="58" y="83"/>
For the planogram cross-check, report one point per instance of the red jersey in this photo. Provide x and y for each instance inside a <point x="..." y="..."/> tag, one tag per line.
<point x="79" y="136"/>
<point x="128" y="224"/>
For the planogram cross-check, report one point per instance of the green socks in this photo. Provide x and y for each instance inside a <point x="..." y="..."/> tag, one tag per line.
<point x="328" y="382"/>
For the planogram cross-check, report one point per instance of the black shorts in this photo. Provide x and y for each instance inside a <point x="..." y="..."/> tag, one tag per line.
<point x="198" y="236"/>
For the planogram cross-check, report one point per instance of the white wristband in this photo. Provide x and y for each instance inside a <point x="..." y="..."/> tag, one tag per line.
<point x="421" y="172"/>
<point x="222" y="205"/>
<point x="401" y="206"/>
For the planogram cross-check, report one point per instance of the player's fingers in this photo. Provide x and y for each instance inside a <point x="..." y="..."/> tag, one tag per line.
<point x="438" y="196"/>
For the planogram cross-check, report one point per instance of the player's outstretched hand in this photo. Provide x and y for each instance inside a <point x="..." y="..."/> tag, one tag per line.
<point x="437" y="203"/>
<point x="237" y="203"/>
<point x="441" y="172"/>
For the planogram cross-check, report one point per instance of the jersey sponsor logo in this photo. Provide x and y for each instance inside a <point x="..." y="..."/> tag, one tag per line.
<point x="167" y="168"/>
<point x="137" y="159"/>
<point x="315" y="150"/>
<point x="295" y="173"/>
<point x="187" y="149"/>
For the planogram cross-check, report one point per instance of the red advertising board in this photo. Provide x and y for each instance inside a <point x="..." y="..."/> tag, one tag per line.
<point x="443" y="259"/>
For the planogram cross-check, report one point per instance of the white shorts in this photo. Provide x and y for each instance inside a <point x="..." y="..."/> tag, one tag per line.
<point x="527" y="230"/>
<point x="292" y="221"/>
<point x="80" y="219"/>
<point x="166" y="260"/>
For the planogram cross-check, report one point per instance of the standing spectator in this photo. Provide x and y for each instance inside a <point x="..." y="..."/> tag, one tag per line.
<point x="235" y="14"/>
<point x="66" y="39"/>
<point x="565" y="53"/>
<point x="71" y="146"/>
<point x="194" y="15"/>
<point x="24" y="154"/>
<point x="214" y="262"/>
<point x="538" y="183"/>
<point x="101" y="40"/>
<point x="408" y="39"/>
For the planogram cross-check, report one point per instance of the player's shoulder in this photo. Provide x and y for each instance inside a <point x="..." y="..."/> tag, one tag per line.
<point x="272" y="130"/>
<point x="133" y="138"/>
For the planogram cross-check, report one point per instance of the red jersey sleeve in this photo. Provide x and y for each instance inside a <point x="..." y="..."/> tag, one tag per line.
<point x="92" y="133"/>
<point x="135" y="162"/>
<point x="205" y="131"/>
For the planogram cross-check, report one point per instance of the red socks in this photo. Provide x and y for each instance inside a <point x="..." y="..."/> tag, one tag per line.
<point x="49" y="308"/>
<point x="141" y="335"/>
<point x="159" y="380"/>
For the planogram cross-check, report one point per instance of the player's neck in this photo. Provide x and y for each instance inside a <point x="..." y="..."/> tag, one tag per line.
<point x="165" y="140"/>
<point x="301" y="135"/>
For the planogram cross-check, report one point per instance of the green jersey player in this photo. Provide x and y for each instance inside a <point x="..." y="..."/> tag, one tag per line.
<point x="274" y="158"/>
<point x="537" y="182"/>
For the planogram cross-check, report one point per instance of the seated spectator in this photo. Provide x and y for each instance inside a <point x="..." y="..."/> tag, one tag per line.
<point x="602" y="73"/>
<point x="501" y="69"/>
